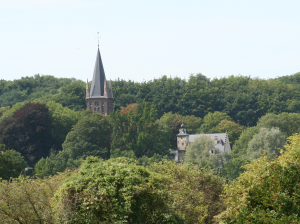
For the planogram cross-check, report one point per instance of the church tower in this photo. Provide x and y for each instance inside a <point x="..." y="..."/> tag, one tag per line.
<point x="100" y="97"/>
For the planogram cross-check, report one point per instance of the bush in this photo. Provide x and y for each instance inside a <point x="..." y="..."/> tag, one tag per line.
<point x="193" y="192"/>
<point x="11" y="163"/>
<point x="28" y="201"/>
<point x="268" y="192"/>
<point x="112" y="192"/>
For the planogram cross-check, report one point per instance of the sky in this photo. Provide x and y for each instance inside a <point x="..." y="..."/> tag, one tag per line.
<point x="143" y="40"/>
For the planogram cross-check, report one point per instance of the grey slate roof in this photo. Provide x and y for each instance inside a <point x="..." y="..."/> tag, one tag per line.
<point x="97" y="88"/>
<point x="222" y="138"/>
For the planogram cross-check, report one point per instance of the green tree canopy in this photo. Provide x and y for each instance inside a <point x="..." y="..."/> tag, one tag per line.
<point x="269" y="140"/>
<point x="233" y="129"/>
<point x="62" y="119"/>
<point x="241" y="145"/>
<point x="90" y="136"/>
<point x="137" y="132"/>
<point x="211" y="120"/>
<point x="288" y="123"/>
<point x="203" y="153"/>
<point x="11" y="163"/>
<point x="268" y="192"/>
<point x="113" y="192"/>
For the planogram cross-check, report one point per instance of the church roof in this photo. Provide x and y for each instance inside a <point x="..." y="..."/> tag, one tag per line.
<point x="97" y="88"/>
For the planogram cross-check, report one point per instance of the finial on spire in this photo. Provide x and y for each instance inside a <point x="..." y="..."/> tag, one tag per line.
<point x="98" y="38"/>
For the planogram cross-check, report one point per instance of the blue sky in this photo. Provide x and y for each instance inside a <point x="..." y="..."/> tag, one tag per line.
<point x="143" y="40"/>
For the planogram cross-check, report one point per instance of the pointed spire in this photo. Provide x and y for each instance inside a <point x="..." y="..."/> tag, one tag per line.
<point x="87" y="89"/>
<point x="97" y="88"/>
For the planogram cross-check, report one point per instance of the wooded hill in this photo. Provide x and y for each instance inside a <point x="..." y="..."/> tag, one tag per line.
<point x="44" y="124"/>
<point x="243" y="98"/>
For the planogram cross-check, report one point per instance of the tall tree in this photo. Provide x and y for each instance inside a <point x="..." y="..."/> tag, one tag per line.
<point x="269" y="140"/>
<point x="138" y="132"/>
<point x="211" y="120"/>
<point x="28" y="131"/>
<point x="268" y="192"/>
<point x="11" y="163"/>
<point x="90" y="136"/>
<point x="203" y="153"/>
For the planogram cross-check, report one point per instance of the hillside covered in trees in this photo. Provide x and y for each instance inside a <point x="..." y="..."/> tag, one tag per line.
<point x="243" y="98"/>
<point x="44" y="124"/>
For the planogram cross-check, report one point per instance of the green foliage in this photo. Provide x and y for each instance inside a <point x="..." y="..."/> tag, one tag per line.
<point x="54" y="164"/>
<point x="29" y="88"/>
<point x="110" y="192"/>
<point x="211" y="120"/>
<point x="90" y="136"/>
<point x="12" y="97"/>
<point x="233" y="168"/>
<point x="145" y="161"/>
<point x="241" y="145"/>
<point x="269" y="140"/>
<point x="8" y="112"/>
<point x="194" y="192"/>
<point x="72" y="95"/>
<point x="288" y="123"/>
<point x="45" y="167"/>
<point x="243" y="98"/>
<point x="11" y="163"/>
<point x="203" y="153"/>
<point x="28" y="201"/>
<point x="62" y="119"/>
<point x="233" y="129"/>
<point x="268" y="192"/>
<point x="138" y="132"/>
<point x="170" y="124"/>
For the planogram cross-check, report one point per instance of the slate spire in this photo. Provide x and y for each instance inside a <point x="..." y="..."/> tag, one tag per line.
<point x="97" y="88"/>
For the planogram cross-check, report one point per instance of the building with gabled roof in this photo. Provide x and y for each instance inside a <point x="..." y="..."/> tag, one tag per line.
<point x="221" y="142"/>
<point x="100" y="97"/>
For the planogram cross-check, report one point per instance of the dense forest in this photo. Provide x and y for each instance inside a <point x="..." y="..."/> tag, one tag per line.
<point x="89" y="168"/>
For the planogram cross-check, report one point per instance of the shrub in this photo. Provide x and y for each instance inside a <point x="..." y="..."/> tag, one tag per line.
<point x="268" y="192"/>
<point x="28" y="201"/>
<point x="112" y="192"/>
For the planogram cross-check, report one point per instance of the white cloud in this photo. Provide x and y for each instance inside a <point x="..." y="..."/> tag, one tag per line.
<point x="38" y="3"/>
